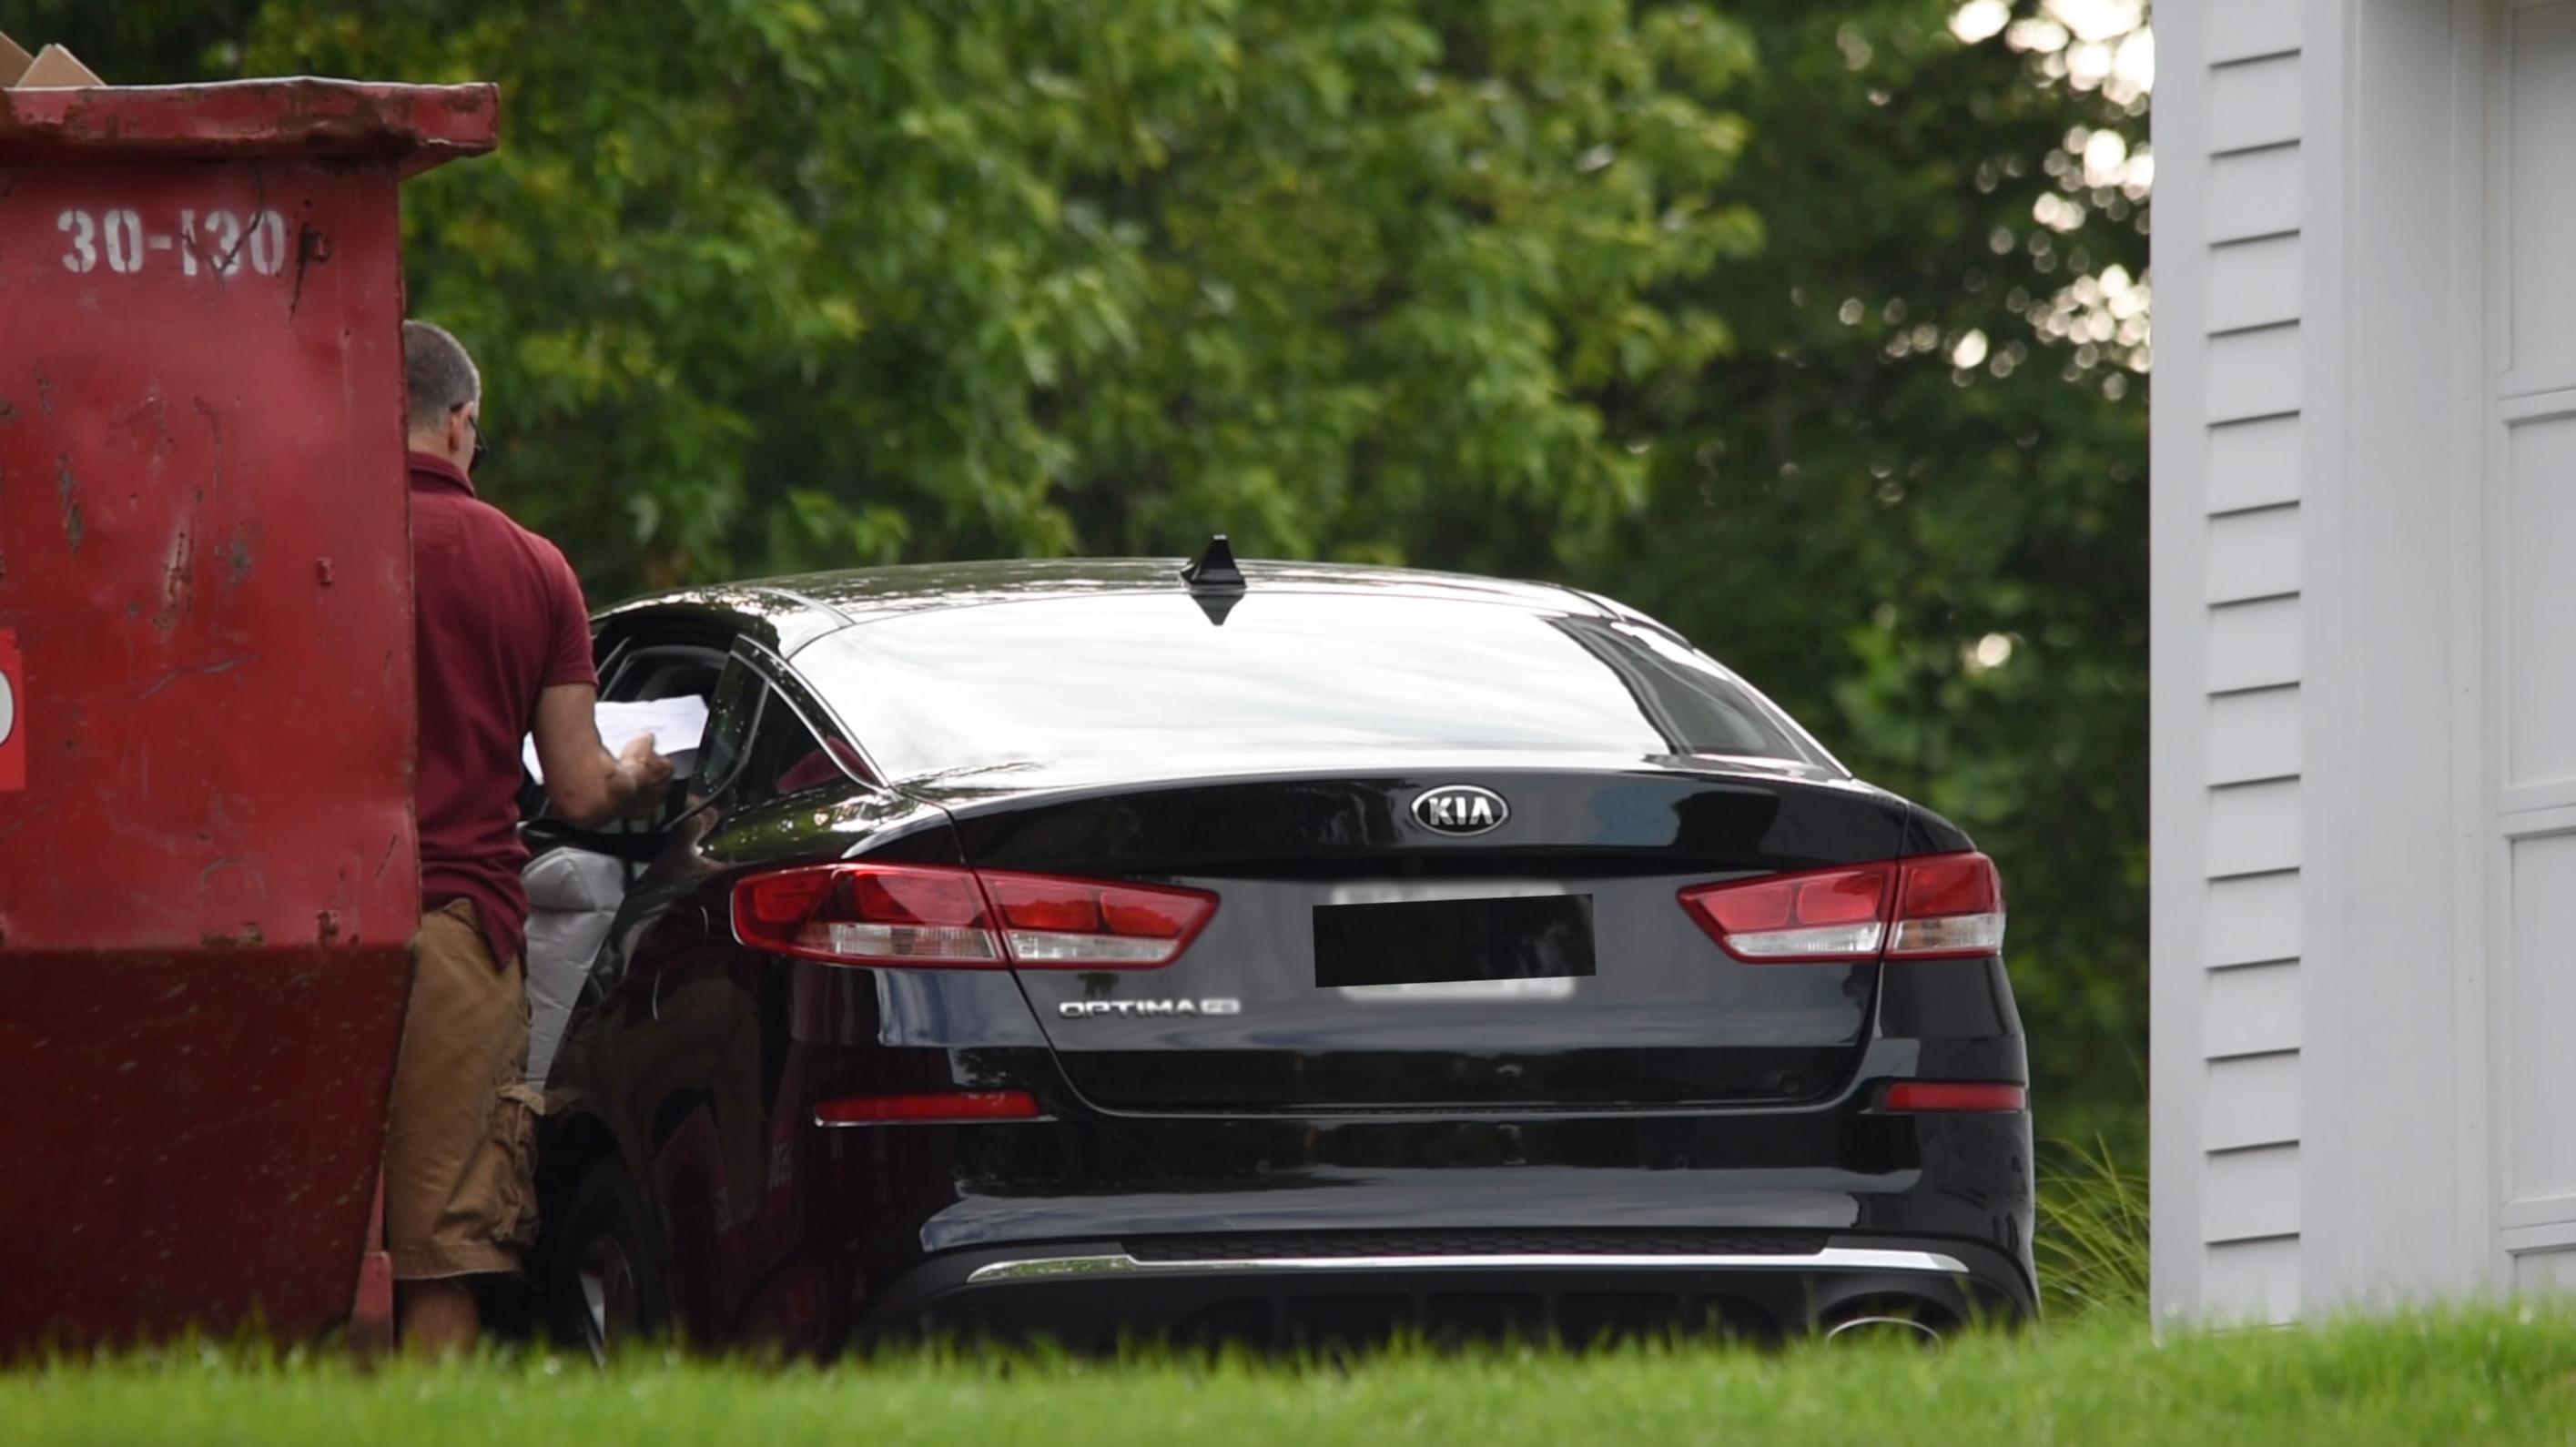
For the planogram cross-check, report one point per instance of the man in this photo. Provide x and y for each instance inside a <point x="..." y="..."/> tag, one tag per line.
<point x="504" y="641"/>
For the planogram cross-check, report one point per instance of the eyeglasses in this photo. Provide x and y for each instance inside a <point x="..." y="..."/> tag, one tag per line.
<point x="482" y="446"/>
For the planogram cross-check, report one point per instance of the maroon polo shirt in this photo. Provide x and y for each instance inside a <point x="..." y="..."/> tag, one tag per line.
<point x="500" y="618"/>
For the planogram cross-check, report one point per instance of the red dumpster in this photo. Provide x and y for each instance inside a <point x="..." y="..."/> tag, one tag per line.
<point x="207" y="872"/>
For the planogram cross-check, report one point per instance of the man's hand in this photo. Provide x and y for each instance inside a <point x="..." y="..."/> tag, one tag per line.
<point x="587" y="784"/>
<point x="651" y="772"/>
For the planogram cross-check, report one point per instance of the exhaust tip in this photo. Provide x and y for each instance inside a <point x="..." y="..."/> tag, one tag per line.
<point x="1878" y="1326"/>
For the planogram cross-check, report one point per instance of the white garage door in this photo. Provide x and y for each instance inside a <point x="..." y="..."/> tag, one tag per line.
<point x="2528" y="397"/>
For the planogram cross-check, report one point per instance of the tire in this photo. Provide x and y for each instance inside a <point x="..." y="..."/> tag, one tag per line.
<point x="605" y="1291"/>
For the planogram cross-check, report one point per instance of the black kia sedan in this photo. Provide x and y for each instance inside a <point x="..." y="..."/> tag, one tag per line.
<point x="1285" y="953"/>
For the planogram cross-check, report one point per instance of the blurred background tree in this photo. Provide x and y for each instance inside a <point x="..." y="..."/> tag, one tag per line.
<point x="1817" y="330"/>
<point x="1912" y="501"/>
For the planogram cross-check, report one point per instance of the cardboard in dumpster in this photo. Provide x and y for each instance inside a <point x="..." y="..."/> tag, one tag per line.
<point x="57" y="69"/>
<point x="52" y="68"/>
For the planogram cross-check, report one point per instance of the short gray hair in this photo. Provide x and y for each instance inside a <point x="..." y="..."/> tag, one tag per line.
<point x="438" y="373"/>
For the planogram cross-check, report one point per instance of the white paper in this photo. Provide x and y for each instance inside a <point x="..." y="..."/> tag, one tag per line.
<point x="676" y="725"/>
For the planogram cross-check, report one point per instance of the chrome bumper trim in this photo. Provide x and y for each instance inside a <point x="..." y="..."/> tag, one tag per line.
<point x="1832" y="1258"/>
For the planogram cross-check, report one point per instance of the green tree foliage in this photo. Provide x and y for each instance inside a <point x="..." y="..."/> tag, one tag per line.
<point x="766" y="284"/>
<point x="1912" y="504"/>
<point x="1811" y="328"/>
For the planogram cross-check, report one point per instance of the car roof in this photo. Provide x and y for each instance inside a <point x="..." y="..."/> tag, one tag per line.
<point x="793" y="611"/>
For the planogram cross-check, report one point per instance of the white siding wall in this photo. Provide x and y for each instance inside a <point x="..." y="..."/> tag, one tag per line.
<point x="2230" y="641"/>
<point x="2527" y="402"/>
<point x="2365" y="785"/>
<point x="2365" y="795"/>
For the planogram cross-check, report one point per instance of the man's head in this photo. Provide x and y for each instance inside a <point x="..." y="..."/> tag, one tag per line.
<point x="446" y="395"/>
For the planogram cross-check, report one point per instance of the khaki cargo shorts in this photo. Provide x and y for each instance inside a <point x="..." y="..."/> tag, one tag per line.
<point x="459" y="1141"/>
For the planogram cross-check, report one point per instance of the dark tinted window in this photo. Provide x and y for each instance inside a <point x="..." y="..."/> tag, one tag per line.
<point x="1128" y="675"/>
<point x="787" y="757"/>
<point x="731" y="715"/>
<point x="666" y="673"/>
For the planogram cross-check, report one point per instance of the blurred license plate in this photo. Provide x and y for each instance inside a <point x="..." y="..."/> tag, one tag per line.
<point x="1453" y="941"/>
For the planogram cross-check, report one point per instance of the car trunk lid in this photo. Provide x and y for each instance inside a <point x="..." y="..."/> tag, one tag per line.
<point x="1370" y="951"/>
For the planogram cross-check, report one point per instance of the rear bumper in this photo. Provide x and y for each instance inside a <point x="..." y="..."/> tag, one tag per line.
<point x="1305" y="1293"/>
<point x="1267" y="1230"/>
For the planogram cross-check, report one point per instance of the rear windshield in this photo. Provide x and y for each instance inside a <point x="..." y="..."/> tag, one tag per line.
<point x="1130" y="675"/>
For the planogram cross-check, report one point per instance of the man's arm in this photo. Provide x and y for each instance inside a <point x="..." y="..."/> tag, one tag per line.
<point x="585" y="782"/>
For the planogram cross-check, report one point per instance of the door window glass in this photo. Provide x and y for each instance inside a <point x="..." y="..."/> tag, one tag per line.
<point x="786" y="757"/>
<point x="732" y="715"/>
<point x="666" y="672"/>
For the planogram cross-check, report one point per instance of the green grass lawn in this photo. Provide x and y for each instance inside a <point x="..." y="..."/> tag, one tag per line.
<point x="2501" y="1374"/>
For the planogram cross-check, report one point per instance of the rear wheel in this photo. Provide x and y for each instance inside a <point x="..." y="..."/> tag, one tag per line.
<point x="606" y="1292"/>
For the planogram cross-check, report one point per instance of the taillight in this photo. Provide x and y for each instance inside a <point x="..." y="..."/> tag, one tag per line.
<point x="1830" y="914"/>
<point x="1956" y="1097"/>
<point x="1940" y="906"/>
<point x="1948" y="906"/>
<point x="875" y="914"/>
<point x="1054" y="923"/>
<point x="945" y="1108"/>
<point x="950" y="917"/>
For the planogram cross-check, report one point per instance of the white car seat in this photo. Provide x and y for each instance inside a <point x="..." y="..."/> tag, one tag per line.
<point x="572" y="898"/>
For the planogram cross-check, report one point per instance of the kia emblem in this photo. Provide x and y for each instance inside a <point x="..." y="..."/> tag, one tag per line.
<point x="1460" y="809"/>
